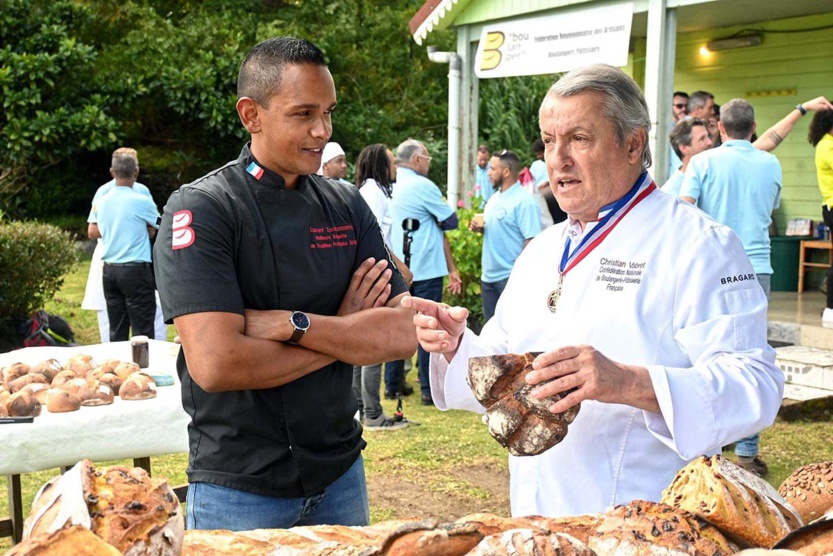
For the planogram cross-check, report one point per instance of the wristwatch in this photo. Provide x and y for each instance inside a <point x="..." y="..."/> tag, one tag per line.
<point x="300" y="322"/>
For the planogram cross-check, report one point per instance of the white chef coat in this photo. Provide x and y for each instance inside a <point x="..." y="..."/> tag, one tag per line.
<point x="669" y="289"/>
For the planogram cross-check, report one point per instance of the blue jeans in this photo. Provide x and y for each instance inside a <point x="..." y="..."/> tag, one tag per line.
<point x="344" y="502"/>
<point x="394" y="375"/>
<point x="427" y="289"/>
<point x="490" y="292"/>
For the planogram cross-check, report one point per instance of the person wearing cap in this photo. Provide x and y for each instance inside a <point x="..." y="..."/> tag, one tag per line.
<point x="334" y="163"/>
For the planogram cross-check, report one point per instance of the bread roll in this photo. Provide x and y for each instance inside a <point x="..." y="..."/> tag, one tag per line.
<point x="74" y="385"/>
<point x="4" y="394"/>
<point x="23" y="404"/>
<point x="112" y="381"/>
<point x="815" y="539"/>
<point x="75" y="540"/>
<point x="4" y="412"/>
<point x="30" y="378"/>
<point x="809" y="490"/>
<point x="61" y="401"/>
<point x="97" y="373"/>
<point x="521" y="423"/>
<point x="38" y="390"/>
<point x="738" y="502"/>
<point x="138" y="386"/>
<point x="125" y="369"/>
<point x="48" y="369"/>
<point x="111" y="364"/>
<point x="62" y="378"/>
<point x="80" y="364"/>
<point x="15" y="370"/>
<point x="95" y="393"/>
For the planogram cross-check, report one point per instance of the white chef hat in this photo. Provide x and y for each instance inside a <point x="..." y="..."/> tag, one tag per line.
<point x="331" y="150"/>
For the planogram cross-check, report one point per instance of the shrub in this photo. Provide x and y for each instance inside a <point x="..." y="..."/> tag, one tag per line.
<point x="34" y="258"/>
<point x="467" y="246"/>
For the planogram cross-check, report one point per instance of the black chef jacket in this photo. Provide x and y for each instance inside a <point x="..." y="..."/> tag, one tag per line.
<point x="235" y="239"/>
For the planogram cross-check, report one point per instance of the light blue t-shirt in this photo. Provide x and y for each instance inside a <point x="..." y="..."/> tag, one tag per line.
<point x="739" y="186"/>
<point x="538" y="169"/>
<point x="511" y="217"/>
<point x="674" y="183"/>
<point x="107" y="187"/>
<point x="418" y="197"/>
<point x="481" y="178"/>
<point x="123" y="216"/>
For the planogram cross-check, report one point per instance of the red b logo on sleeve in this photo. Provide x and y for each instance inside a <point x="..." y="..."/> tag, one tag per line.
<point x="181" y="234"/>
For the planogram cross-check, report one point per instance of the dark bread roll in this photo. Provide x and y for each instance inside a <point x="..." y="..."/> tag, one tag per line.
<point x="138" y="386"/>
<point x="125" y="369"/>
<point x="48" y="369"/>
<point x="521" y="423"/>
<point x="23" y="404"/>
<point x="112" y="381"/>
<point x="95" y="393"/>
<point x="15" y="370"/>
<point x="61" y="401"/>
<point x="31" y="378"/>
<point x="809" y="490"/>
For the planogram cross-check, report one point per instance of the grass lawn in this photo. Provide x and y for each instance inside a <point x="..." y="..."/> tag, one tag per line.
<point x="432" y="459"/>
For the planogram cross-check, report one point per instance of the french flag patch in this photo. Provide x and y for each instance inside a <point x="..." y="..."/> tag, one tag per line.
<point x="255" y="170"/>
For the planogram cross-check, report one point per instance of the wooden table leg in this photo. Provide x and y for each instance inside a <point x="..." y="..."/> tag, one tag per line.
<point x="15" y="507"/>
<point x="144" y="463"/>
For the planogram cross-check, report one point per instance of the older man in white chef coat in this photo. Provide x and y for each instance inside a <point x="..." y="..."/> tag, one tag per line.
<point x="645" y="306"/>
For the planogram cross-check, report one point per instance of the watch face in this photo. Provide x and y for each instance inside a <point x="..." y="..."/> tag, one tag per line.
<point x="300" y="320"/>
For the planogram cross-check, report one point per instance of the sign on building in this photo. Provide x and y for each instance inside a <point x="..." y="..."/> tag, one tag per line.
<point x="555" y="43"/>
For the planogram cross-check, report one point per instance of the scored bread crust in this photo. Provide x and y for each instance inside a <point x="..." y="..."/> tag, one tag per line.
<point x="76" y="540"/>
<point x="519" y="422"/>
<point x="739" y="503"/>
<point x="222" y="543"/>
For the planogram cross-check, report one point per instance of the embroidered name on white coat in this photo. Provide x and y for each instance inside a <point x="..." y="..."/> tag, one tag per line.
<point x="619" y="274"/>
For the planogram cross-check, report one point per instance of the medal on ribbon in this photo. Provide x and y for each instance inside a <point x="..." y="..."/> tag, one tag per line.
<point x="641" y="189"/>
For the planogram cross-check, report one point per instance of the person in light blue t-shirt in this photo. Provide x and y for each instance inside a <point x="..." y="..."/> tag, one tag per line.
<point x="418" y="205"/>
<point x="125" y="220"/>
<point x="511" y="219"/>
<point x="689" y="137"/>
<point x="481" y="174"/>
<point x="739" y="186"/>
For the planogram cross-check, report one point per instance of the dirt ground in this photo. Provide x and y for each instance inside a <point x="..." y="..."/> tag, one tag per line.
<point x="478" y="488"/>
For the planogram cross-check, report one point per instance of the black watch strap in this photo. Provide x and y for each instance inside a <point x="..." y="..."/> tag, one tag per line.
<point x="296" y="336"/>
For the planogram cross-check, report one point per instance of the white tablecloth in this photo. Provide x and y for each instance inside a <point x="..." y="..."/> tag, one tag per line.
<point x="124" y="429"/>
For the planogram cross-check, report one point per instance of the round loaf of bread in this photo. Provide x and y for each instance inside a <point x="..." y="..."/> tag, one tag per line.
<point x="111" y="364"/>
<point x="523" y="424"/>
<point x="4" y="394"/>
<point x="13" y="371"/>
<point x="38" y="390"/>
<point x="138" y="386"/>
<point x="97" y="373"/>
<point x="62" y="378"/>
<point x="74" y="385"/>
<point x="61" y="401"/>
<point x="23" y="404"/>
<point x="125" y="369"/>
<point x="809" y="490"/>
<point x="3" y="411"/>
<point x="95" y="393"/>
<point x="112" y="381"/>
<point x="30" y="378"/>
<point x="80" y="364"/>
<point x="48" y="369"/>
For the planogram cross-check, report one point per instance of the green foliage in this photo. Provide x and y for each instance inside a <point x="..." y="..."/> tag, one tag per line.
<point x="34" y="258"/>
<point x="467" y="246"/>
<point x="52" y="107"/>
<point x="509" y="112"/>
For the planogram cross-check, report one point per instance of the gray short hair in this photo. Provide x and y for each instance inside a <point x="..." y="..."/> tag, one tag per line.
<point x="123" y="165"/>
<point x="407" y="149"/>
<point x="622" y="101"/>
<point x="698" y="99"/>
<point x="738" y="118"/>
<point x="681" y="134"/>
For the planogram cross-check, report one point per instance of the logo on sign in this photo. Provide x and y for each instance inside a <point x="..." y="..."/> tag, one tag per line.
<point x="182" y="235"/>
<point x="491" y="50"/>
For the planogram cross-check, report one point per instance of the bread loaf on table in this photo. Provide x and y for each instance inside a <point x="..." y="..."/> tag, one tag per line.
<point x="48" y="369"/>
<point x="809" y="490"/>
<point x="61" y="401"/>
<point x="815" y="539"/>
<point x="13" y="371"/>
<point x="224" y="543"/>
<point x="738" y="502"/>
<point x="522" y="542"/>
<point x="138" y="386"/>
<point x="23" y="404"/>
<point x="519" y="422"/>
<point x="71" y="541"/>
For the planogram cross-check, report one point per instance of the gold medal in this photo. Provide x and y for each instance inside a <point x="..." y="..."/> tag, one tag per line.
<point x="555" y="295"/>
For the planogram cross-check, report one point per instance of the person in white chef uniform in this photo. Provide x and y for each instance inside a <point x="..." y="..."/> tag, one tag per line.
<point x="645" y="306"/>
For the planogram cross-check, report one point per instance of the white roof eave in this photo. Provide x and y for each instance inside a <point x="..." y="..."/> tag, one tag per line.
<point x="433" y="20"/>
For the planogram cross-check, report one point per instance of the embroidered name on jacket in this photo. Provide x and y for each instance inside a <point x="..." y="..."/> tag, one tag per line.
<point x="738" y="278"/>
<point x="329" y="237"/>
